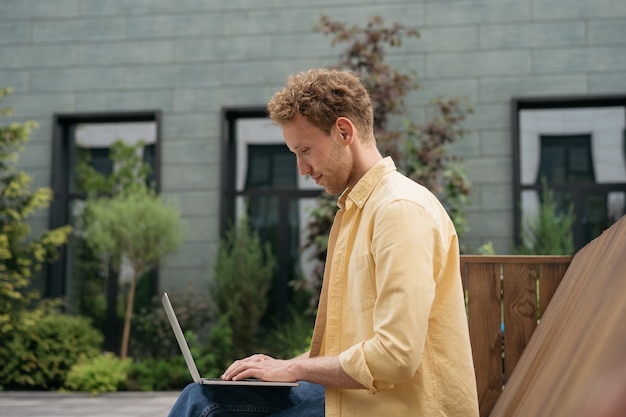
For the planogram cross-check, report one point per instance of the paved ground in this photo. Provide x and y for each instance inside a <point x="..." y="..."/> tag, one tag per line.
<point x="119" y="404"/>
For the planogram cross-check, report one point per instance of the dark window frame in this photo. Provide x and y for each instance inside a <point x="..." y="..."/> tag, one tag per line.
<point x="62" y="141"/>
<point x="557" y="102"/>
<point x="229" y="193"/>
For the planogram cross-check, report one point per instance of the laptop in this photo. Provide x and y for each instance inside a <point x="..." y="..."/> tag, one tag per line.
<point x="191" y="364"/>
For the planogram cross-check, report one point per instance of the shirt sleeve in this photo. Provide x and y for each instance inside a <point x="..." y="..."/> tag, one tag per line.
<point x="405" y="248"/>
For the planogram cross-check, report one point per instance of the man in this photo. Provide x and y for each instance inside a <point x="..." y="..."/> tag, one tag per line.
<point x="391" y="334"/>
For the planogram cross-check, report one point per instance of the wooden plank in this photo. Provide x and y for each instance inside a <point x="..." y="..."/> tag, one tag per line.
<point x="519" y="323"/>
<point x="522" y="381"/>
<point x="484" y="316"/>
<point x="550" y="276"/>
<point x="581" y="339"/>
<point x="503" y="259"/>
<point x="520" y="311"/>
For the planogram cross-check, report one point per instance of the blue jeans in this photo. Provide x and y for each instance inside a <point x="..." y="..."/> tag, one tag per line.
<point x="306" y="400"/>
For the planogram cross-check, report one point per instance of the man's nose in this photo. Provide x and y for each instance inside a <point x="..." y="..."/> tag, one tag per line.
<point x="303" y="168"/>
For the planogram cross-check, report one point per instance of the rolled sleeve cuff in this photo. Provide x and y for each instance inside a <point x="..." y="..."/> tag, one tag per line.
<point x="354" y="364"/>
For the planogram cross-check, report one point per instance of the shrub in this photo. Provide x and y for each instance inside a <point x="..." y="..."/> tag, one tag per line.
<point x="22" y="254"/>
<point x="292" y="337"/>
<point x="104" y="373"/>
<point x="41" y="354"/>
<point x="154" y="374"/>
<point x="219" y="351"/>
<point x="550" y="231"/>
<point x="153" y="333"/>
<point x="244" y="270"/>
<point x="158" y="363"/>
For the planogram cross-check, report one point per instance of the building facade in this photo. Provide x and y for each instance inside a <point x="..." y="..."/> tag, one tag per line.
<point x="191" y="78"/>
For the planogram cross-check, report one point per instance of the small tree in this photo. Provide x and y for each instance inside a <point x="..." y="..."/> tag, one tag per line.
<point x="244" y="270"/>
<point x="426" y="159"/>
<point x="129" y="169"/>
<point x="137" y="226"/>
<point x="419" y="150"/>
<point x="21" y="255"/>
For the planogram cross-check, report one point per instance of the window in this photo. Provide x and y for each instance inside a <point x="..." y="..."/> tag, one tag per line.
<point x="566" y="159"/>
<point x="78" y="275"/>
<point x="577" y="145"/>
<point x="260" y="178"/>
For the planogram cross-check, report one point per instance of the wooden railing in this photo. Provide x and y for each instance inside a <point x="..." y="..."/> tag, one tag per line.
<point x="505" y="298"/>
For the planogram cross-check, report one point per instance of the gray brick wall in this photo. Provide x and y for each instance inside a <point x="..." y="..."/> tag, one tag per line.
<point x="190" y="58"/>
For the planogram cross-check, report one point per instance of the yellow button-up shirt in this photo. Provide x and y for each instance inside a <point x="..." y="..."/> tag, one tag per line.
<point x="392" y="304"/>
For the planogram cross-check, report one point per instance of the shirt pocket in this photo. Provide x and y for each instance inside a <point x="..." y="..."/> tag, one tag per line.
<point x="361" y="292"/>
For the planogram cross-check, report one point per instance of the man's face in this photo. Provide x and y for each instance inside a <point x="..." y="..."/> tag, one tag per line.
<point x="322" y="156"/>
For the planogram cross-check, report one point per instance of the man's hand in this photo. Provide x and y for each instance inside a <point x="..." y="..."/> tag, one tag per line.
<point x="324" y="370"/>
<point x="262" y="367"/>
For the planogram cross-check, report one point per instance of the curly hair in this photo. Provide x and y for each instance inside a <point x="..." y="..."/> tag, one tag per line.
<point x="321" y="96"/>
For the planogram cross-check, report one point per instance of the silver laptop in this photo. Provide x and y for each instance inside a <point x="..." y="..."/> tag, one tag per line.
<point x="193" y="370"/>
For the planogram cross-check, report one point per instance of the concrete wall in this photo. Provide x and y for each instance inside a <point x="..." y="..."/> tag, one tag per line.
<point x="190" y="58"/>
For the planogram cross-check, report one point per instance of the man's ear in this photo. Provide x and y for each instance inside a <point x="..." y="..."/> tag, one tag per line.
<point x="346" y="129"/>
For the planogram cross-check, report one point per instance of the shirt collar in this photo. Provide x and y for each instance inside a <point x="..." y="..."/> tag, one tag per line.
<point x="361" y="191"/>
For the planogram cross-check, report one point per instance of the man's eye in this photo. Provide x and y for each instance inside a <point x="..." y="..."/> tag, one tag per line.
<point x="305" y="151"/>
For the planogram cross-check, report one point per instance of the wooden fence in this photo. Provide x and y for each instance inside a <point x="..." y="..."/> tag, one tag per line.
<point x="505" y="298"/>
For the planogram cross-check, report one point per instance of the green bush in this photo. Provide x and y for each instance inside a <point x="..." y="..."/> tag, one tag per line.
<point x="22" y="254"/>
<point x="243" y="274"/>
<point x="211" y="358"/>
<point x="41" y="354"/>
<point x="153" y="336"/>
<point x="550" y="231"/>
<point x="158" y="363"/>
<point x="290" y="337"/>
<point x="219" y="351"/>
<point x="104" y="373"/>
<point x="158" y="374"/>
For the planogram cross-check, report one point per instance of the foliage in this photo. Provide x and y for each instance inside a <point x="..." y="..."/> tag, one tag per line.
<point x="420" y="150"/>
<point x="130" y="172"/>
<point x="29" y="351"/>
<point x="103" y="373"/>
<point x="244" y="270"/>
<point x="42" y="353"/>
<point x="425" y="158"/>
<point x="90" y="296"/>
<point x="322" y="216"/>
<point x="219" y="352"/>
<point x="137" y="226"/>
<point x="156" y="374"/>
<point x="21" y="255"/>
<point x="550" y="232"/>
<point x="157" y="361"/>
<point x="365" y="55"/>
<point x="210" y="336"/>
<point x="153" y="337"/>
<point x="486" y="249"/>
<point x="290" y="338"/>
